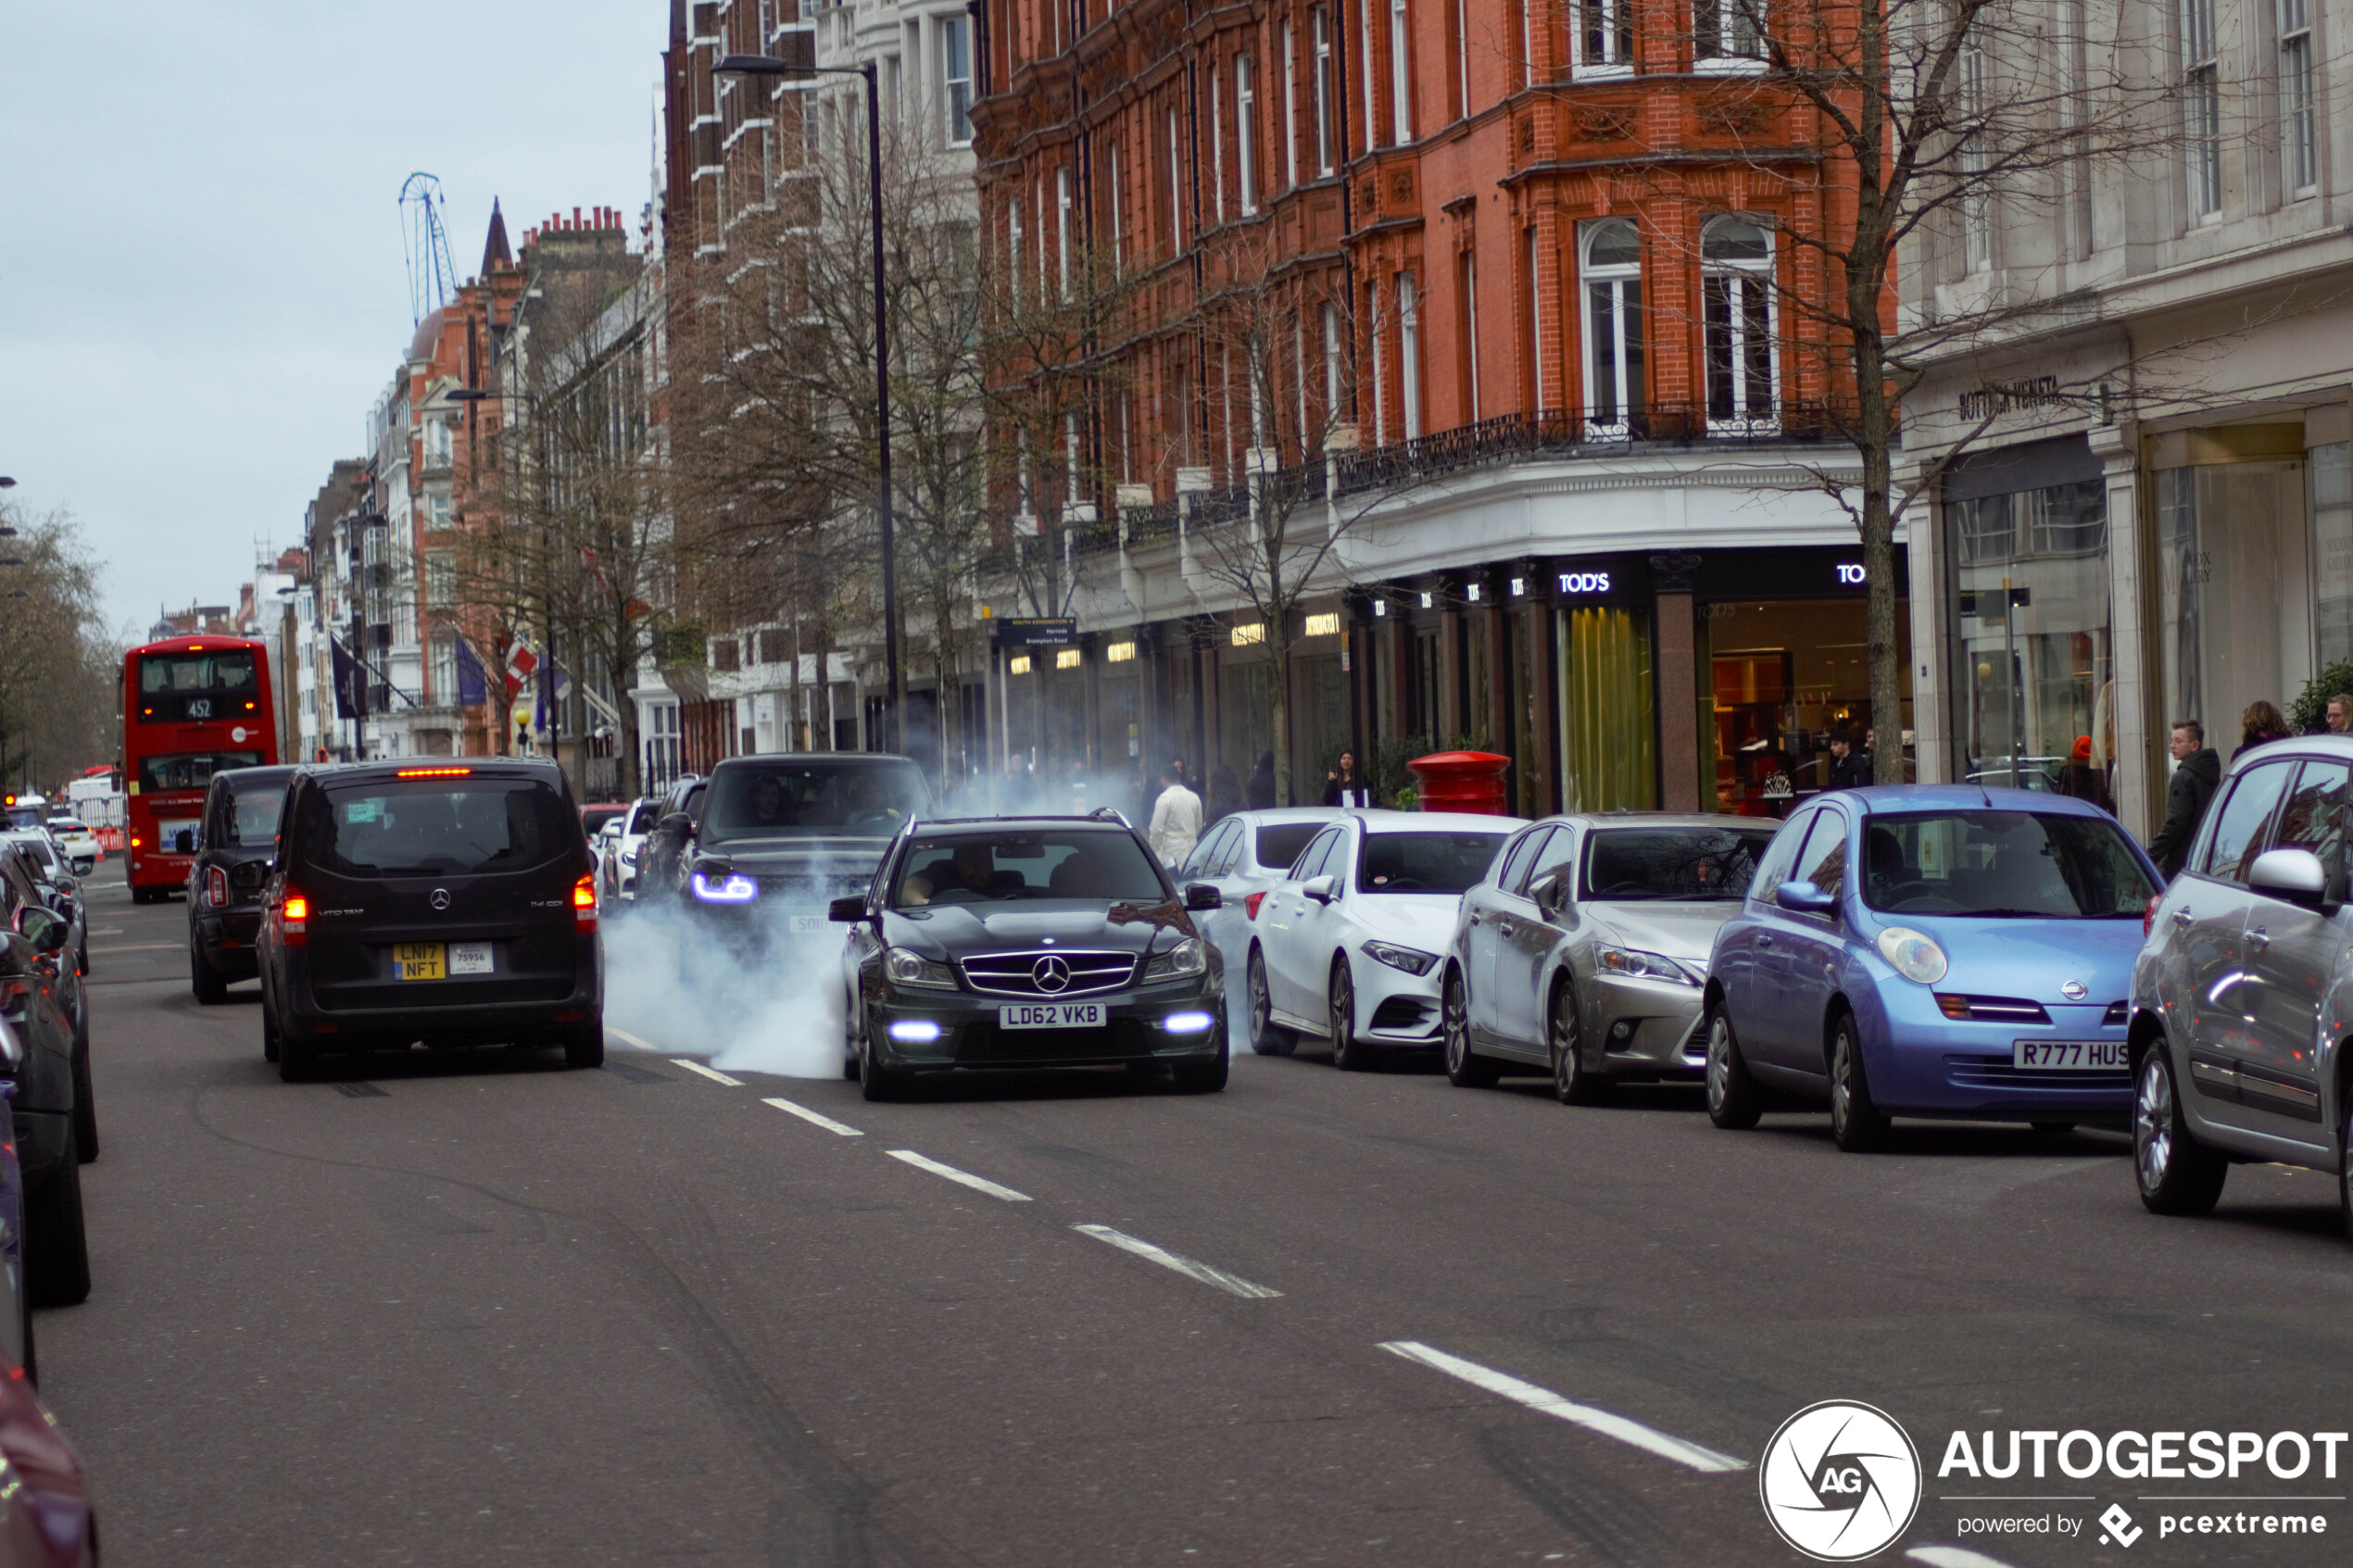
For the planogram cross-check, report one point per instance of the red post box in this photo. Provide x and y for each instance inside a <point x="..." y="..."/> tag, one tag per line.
<point x="1462" y="781"/>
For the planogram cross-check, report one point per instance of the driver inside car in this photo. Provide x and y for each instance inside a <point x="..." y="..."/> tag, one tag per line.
<point x="972" y="869"/>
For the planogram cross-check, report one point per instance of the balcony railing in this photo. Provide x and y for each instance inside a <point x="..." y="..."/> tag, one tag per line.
<point x="1556" y="434"/>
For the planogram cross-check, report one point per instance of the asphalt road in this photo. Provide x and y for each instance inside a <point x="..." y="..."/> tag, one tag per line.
<point x="482" y="1309"/>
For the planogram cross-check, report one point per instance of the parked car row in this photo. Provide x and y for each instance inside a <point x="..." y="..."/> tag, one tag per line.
<point x="1949" y="952"/>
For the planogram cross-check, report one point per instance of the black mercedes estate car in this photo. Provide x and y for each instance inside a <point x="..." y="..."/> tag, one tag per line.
<point x="449" y="902"/>
<point x="236" y="840"/>
<point x="1029" y="942"/>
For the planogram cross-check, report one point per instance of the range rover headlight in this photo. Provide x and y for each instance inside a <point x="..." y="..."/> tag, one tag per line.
<point x="903" y="967"/>
<point x="1914" y="953"/>
<point x="732" y="888"/>
<point x="1186" y="957"/>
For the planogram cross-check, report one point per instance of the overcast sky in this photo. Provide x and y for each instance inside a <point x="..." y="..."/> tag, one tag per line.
<point x="201" y="277"/>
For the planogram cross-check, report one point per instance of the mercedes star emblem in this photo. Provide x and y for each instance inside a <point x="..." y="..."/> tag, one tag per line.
<point x="438" y="899"/>
<point x="2074" y="991"/>
<point x="1050" y="974"/>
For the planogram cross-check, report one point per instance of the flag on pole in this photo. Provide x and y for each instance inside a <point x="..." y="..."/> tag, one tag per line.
<point x="351" y="689"/>
<point x="520" y="662"/>
<point x="474" y="680"/>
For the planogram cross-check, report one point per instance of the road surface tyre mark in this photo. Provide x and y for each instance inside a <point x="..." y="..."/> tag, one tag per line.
<point x="830" y="1523"/>
<point x="237" y="1078"/>
<point x="2283" y="1341"/>
<point x="1746" y="1382"/>
<point x="1600" y="1511"/>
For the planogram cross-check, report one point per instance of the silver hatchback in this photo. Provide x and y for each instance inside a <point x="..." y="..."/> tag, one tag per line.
<point x="1584" y="952"/>
<point x="2242" y="993"/>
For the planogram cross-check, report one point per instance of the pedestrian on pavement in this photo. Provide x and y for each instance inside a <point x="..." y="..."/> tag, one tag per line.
<point x="1224" y="794"/>
<point x="2077" y="776"/>
<point x="1260" y="792"/>
<point x="2261" y="725"/>
<point x="2196" y="771"/>
<point x="2339" y="718"/>
<point x="1849" y="768"/>
<point x="1343" y="785"/>
<point x="1175" y="817"/>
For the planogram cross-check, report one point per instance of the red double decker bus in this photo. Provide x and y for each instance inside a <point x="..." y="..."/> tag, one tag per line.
<point x="192" y="707"/>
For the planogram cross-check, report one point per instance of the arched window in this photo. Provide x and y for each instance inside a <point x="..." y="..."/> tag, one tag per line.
<point x="1612" y="273"/>
<point x="1736" y="304"/>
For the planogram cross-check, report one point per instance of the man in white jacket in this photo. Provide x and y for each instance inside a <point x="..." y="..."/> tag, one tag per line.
<point x="1176" y="818"/>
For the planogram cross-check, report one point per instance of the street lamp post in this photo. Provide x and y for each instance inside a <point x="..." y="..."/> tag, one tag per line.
<point x="768" y="65"/>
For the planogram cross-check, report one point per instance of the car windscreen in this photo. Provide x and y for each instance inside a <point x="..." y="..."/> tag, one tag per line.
<point x="1021" y="865"/>
<point x="810" y="799"/>
<point x="191" y="769"/>
<point x="1684" y="864"/>
<point x="253" y="813"/>
<point x="36" y="847"/>
<point x="174" y="687"/>
<point x="1280" y="843"/>
<point x="422" y="827"/>
<point x="2026" y="865"/>
<point x="642" y="816"/>
<point x="1425" y="862"/>
<point x="596" y="817"/>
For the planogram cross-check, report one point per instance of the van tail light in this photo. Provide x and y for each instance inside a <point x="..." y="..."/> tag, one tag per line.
<point x="1250" y="903"/>
<point x="293" y="920"/>
<point x="583" y="903"/>
<point x="2148" y="914"/>
<point x="216" y="887"/>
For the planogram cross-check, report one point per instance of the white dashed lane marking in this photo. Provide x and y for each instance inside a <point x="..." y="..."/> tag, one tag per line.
<point x="813" y="1118"/>
<point x="978" y="1183"/>
<point x="1545" y="1402"/>
<point x="625" y="1037"/>
<point x="1233" y="1285"/>
<point x="698" y="1067"/>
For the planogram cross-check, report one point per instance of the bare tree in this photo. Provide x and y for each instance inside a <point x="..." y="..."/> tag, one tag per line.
<point x="1902" y="131"/>
<point x="1278" y="342"/>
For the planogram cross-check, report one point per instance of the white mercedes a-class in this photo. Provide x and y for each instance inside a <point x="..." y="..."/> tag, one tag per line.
<point x="1346" y="948"/>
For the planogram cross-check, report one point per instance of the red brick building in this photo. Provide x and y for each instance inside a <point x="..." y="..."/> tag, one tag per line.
<point x="1532" y="267"/>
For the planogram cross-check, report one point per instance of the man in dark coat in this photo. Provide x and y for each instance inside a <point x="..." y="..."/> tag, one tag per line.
<point x="2196" y="772"/>
<point x="1849" y="768"/>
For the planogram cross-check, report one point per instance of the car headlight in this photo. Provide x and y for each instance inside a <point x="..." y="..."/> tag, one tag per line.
<point x="1634" y="962"/>
<point x="903" y="967"/>
<point x="628" y="853"/>
<point x="732" y="887"/>
<point x="1412" y="960"/>
<point x="1914" y="953"/>
<point x="1188" y="957"/>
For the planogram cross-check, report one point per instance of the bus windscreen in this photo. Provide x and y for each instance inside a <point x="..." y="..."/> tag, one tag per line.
<point x="189" y="769"/>
<point x="183" y="688"/>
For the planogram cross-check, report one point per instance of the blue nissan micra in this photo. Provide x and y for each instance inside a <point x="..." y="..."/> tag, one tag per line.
<point x="1935" y="950"/>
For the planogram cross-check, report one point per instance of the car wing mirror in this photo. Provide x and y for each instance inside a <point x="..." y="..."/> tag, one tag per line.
<point x="1804" y="899"/>
<point x="848" y="910"/>
<point x="1318" y="888"/>
<point x="1201" y="895"/>
<point x="2296" y="876"/>
<point x="678" y="822"/>
<point x="42" y="928"/>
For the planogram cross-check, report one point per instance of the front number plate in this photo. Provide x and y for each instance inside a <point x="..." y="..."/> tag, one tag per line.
<point x="2070" y="1056"/>
<point x="1052" y="1015"/>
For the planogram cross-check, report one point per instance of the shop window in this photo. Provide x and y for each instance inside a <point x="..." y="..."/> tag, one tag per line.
<point x="1785" y="679"/>
<point x="2332" y="551"/>
<point x="2031" y="657"/>
<point x="1609" y="731"/>
<point x="1736" y="302"/>
<point x="1613" y="279"/>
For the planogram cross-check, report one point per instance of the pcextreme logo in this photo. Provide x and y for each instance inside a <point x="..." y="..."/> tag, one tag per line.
<point x="1840" y="1481"/>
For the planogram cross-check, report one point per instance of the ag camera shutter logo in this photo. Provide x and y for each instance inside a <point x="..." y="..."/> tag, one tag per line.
<point x="1840" y="1481"/>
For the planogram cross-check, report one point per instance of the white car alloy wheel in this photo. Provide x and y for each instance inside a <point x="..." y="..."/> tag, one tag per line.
<point x="2176" y="1173"/>
<point x="2153" y="1125"/>
<point x="1573" y="1083"/>
<point x="1734" y="1101"/>
<point x="1466" y="1069"/>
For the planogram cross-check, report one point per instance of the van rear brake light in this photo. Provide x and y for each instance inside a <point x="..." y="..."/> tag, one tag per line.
<point x="583" y="903"/>
<point x="433" y="774"/>
<point x="293" y="920"/>
<point x="216" y="887"/>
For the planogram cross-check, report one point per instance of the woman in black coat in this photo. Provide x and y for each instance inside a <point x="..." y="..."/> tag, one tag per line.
<point x="1261" y="789"/>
